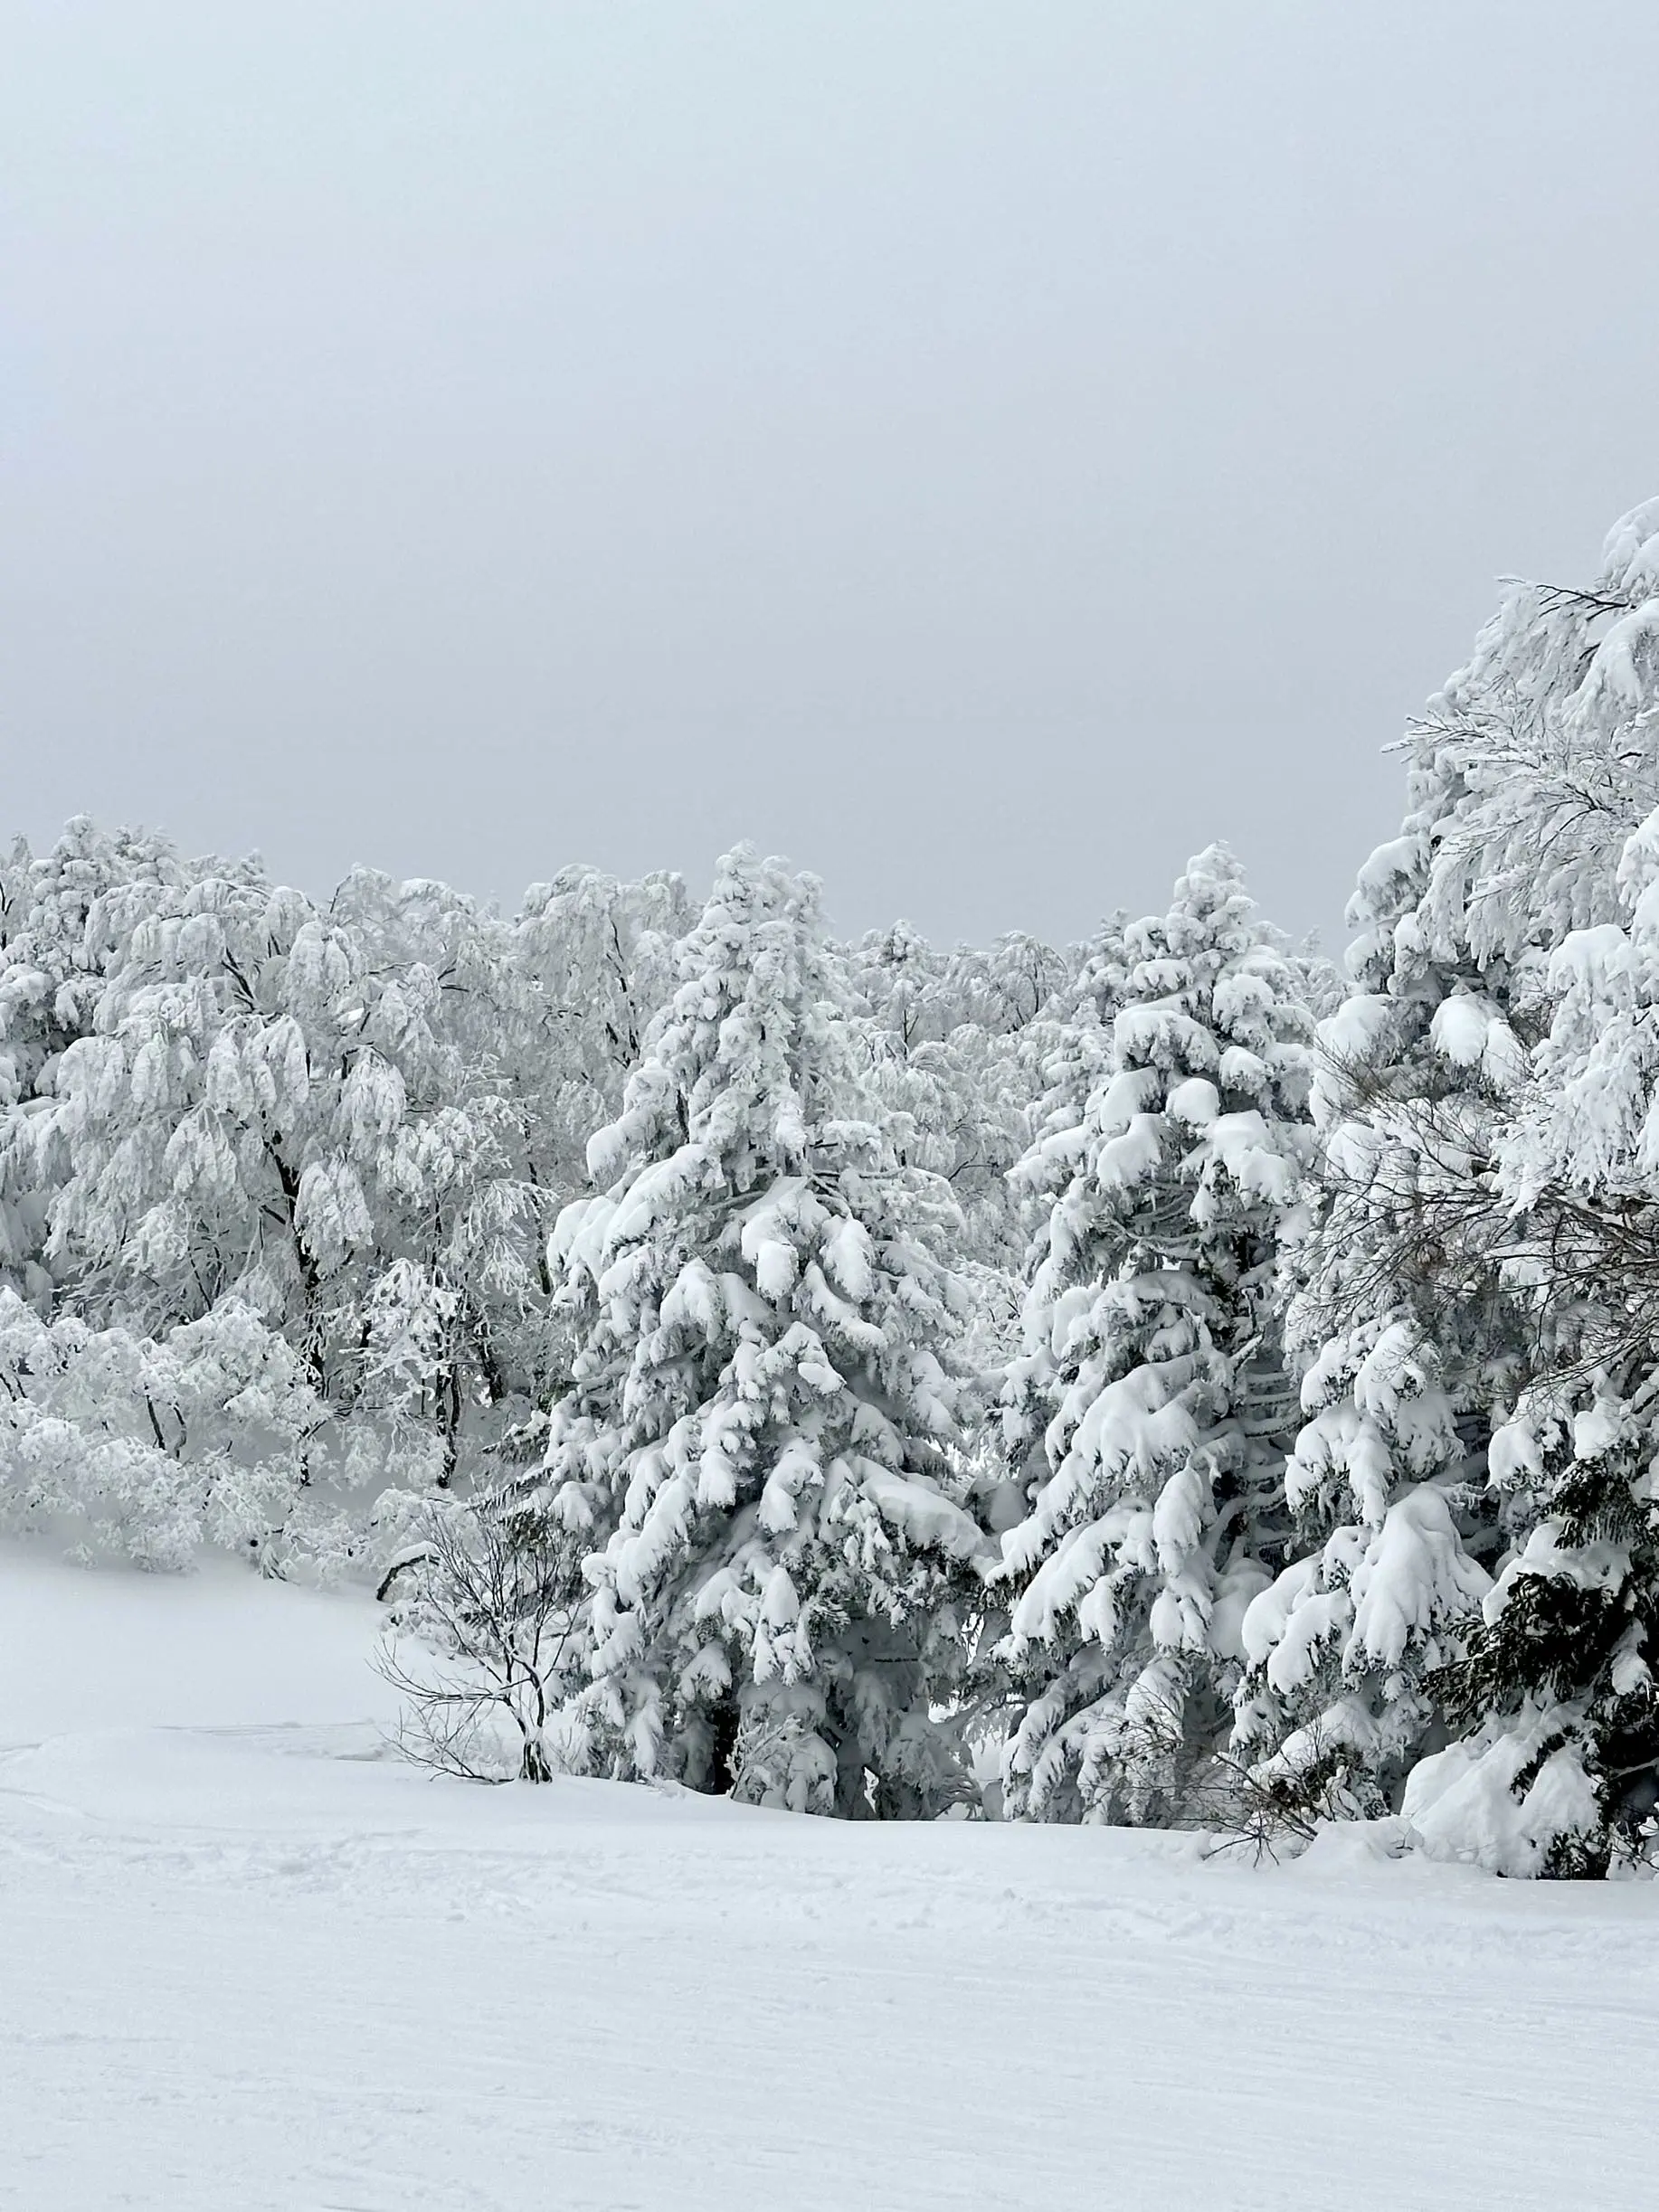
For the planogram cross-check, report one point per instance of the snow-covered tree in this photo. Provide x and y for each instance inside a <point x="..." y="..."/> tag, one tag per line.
<point x="1554" y="1693"/>
<point x="1145" y="1418"/>
<point x="307" y="1120"/>
<point x="1071" y="1042"/>
<point x="1385" y="1478"/>
<point x="60" y="923"/>
<point x="146" y="1448"/>
<point x="1418" y="1335"/>
<point x="351" y="1126"/>
<point x="599" y="957"/>
<point x="760" y="1437"/>
<point x="953" y="1065"/>
<point x="303" y="1110"/>
<point x="963" y="1046"/>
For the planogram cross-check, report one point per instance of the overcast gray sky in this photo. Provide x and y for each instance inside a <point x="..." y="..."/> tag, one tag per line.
<point x="983" y="451"/>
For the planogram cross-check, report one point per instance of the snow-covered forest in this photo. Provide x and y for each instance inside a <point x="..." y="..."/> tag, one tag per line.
<point x="1174" y="1381"/>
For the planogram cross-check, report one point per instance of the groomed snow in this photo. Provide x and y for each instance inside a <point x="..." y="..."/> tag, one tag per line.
<point x="248" y="1960"/>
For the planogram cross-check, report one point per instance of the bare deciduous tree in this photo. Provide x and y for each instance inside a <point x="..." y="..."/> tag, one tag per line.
<point x="490" y="1598"/>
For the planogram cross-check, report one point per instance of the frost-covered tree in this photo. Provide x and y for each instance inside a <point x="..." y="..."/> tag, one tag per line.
<point x="1527" y="776"/>
<point x="1385" y="1479"/>
<point x="61" y="921"/>
<point x="350" y="1125"/>
<point x="961" y="1046"/>
<point x="760" y="1440"/>
<point x="1145" y="1418"/>
<point x="953" y="1064"/>
<point x="598" y="955"/>
<point x="146" y="1449"/>
<point x="1070" y="1057"/>
<point x="1071" y="1041"/>
<point x="1554" y="1695"/>
<point x="452" y="1294"/>
<point x="303" y="1110"/>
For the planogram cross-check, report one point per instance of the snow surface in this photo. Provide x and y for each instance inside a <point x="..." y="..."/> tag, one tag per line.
<point x="248" y="1961"/>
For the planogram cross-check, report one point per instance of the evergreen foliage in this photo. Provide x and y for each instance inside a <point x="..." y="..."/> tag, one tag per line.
<point x="1144" y="1417"/>
<point x="762" y="1437"/>
<point x="1479" y="1091"/>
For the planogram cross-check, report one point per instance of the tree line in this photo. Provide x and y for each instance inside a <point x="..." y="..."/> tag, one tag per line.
<point x="1163" y="1380"/>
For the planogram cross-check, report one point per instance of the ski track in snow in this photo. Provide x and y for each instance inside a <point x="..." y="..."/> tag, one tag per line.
<point x="249" y="1962"/>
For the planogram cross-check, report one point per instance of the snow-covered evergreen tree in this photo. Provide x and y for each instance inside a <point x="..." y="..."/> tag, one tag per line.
<point x="1385" y="1479"/>
<point x="1145" y="1419"/>
<point x="761" y="1436"/>
<point x="1072" y="1039"/>
<point x="1527" y="775"/>
<point x="1554" y="1695"/>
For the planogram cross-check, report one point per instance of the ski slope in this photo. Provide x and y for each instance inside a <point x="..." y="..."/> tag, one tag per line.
<point x="248" y="1961"/>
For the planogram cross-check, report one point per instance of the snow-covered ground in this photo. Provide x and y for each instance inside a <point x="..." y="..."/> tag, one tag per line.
<point x="248" y="1960"/>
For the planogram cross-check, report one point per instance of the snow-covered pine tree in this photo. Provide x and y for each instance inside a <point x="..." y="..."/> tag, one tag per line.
<point x="1145" y="1421"/>
<point x="1385" y="1479"/>
<point x="1072" y="1040"/>
<point x="1555" y="1695"/>
<point x="1526" y="776"/>
<point x="760" y="1437"/>
<point x="1069" y="1056"/>
<point x="1555" y="1766"/>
